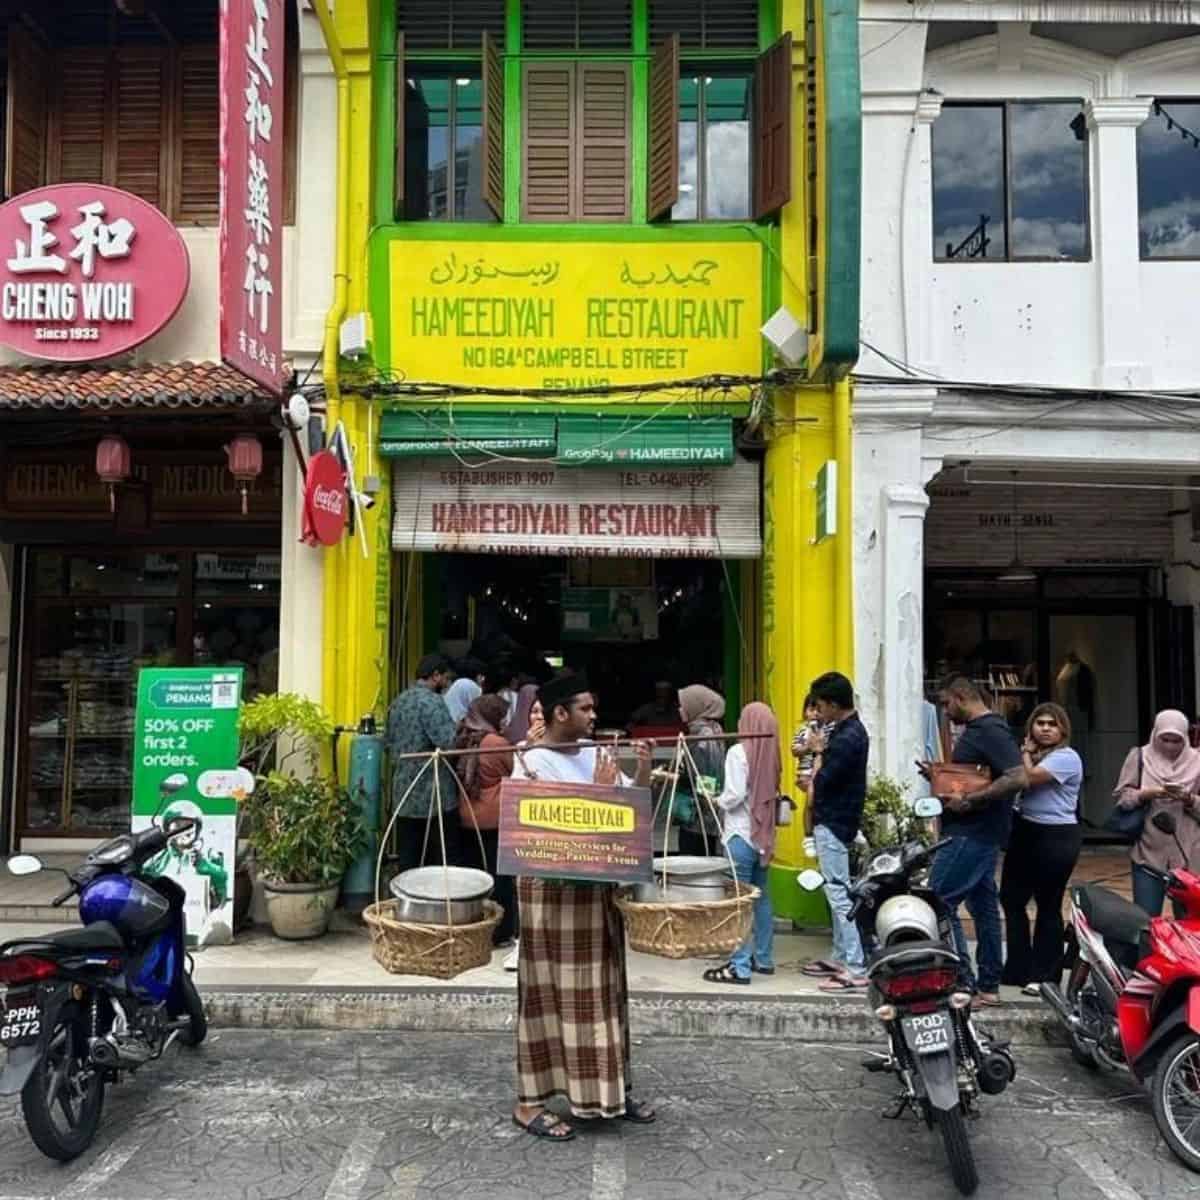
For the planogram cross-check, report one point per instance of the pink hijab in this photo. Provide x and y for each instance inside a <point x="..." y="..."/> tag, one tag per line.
<point x="1157" y="768"/>
<point x="762" y="755"/>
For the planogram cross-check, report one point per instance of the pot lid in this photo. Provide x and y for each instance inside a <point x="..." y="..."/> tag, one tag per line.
<point x="691" y="864"/>
<point x="443" y="883"/>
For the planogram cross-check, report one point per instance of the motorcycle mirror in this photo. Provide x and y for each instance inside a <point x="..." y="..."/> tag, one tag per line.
<point x="810" y="881"/>
<point x="172" y="784"/>
<point x="24" y="864"/>
<point x="927" y="808"/>
<point x="1164" y="823"/>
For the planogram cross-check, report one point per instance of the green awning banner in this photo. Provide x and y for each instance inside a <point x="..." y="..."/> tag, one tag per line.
<point x="434" y="433"/>
<point x="605" y="441"/>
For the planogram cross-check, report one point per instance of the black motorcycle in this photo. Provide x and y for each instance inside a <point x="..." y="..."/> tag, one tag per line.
<point x="79" y="1007"/>
<point x="941" y="1058"/>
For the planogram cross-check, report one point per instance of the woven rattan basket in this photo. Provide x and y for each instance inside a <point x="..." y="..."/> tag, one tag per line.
<point x="435" y="951"/>
<point x="697" y="930"/>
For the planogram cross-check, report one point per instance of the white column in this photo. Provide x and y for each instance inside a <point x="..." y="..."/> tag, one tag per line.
<point x="1113" y="124"/>
<point x="916" y="239"/>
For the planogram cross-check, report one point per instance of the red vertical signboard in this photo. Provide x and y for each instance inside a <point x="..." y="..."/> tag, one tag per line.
<point x="252" y="124"/>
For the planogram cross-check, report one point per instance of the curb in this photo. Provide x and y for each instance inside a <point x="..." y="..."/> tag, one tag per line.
<point x="652" y="1014"/>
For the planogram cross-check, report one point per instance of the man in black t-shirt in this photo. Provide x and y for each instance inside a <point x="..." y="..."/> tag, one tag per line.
<point x="978" y="824"/>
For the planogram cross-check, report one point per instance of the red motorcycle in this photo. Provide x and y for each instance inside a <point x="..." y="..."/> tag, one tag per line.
<point x="1133" y="997"/>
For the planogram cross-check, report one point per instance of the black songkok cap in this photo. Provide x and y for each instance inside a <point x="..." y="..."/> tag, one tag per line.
<point x="561" y="690"/>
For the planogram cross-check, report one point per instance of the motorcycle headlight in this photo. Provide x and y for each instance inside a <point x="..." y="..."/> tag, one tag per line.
<point x="885" y="862"/>
<point x="112" y="853"/>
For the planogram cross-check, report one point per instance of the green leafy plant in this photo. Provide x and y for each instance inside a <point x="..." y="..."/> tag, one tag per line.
<point x="303" y="830"/>
<point x="888" y="817"/>
<point x="281" y="727"/>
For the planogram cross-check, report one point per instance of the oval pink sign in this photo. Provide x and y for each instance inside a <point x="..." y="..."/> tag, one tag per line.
<point x="86" y="271"/>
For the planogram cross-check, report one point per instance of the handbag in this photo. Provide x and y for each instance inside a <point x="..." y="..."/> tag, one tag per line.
<point x="956" y="779"/>
<point x="1128" y="822"/>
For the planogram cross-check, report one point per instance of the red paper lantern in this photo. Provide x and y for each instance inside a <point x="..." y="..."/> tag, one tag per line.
<point x="245" y="455"/>
<point x="114" y="465"/>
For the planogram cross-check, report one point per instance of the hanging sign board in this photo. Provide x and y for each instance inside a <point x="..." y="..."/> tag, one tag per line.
<point x="575" y="831"/>
<point x="325" y="500"/>
<point x="86" y="272"/>
<point x="185" y="752"/>
<point x="252" y="121"/>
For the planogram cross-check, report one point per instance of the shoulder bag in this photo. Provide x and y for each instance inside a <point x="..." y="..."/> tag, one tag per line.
<point x="1128" y="822"/>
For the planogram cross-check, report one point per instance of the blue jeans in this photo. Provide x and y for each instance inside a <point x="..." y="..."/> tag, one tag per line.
<point x="965" y="872"/>
<point x="833" y="856"/>
<point x="760" y="945"/>
<point x="1149" y="892"/>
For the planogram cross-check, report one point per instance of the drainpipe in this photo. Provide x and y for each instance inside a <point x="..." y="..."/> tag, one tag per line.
<point x="335" y="586"/>
<point x="843" y="621"/>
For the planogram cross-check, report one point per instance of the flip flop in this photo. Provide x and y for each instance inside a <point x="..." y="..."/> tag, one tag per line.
<point x="821" y="968"/>
<point x="843" y="983"/>
<point x="544" y="1124"/>
<point x="639" y="1112"/>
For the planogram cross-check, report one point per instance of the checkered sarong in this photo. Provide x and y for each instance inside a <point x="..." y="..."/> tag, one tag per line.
<point x="572" y="998"/>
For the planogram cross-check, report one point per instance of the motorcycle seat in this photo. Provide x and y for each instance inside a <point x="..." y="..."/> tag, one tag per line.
<point x="100" y="936"/>
<point x="1118" y="921"/>
<point x="909" y="954"/>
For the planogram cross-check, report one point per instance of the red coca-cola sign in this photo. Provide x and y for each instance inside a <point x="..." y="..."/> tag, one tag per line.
<point x="86" y="271"/>
<point x="325" y="500"/>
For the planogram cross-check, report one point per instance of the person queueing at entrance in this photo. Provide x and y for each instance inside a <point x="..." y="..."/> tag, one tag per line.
<point x="837" y="794"/>
<point x="978" y="826"/>
<point x="481" y="775"/>
<point x="702" y="711"/>
<point x="527" y="728"/>
<point x="752" y="773"/>
<point x="419" y="722"/>
<point x="572" y="991"/>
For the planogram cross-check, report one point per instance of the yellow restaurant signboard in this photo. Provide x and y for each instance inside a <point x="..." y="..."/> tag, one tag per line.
<point x="563" y="314"/>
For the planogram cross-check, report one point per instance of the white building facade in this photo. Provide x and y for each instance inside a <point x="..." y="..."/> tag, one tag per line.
<point x="1025" y="442"/>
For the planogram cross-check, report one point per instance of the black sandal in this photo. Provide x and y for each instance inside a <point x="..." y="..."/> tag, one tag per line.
<point x="640" y="1112"/>
<point x="725" y="974"/>
<point x="544" y="1124"/>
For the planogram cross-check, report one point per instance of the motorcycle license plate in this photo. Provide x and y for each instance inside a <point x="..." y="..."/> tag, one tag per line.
<point x="929" y="1033"/>
<point x="20" y="1020"/>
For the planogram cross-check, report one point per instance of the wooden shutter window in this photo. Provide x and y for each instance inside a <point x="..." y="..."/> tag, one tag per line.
<point x="401" y="163"/>
<point x="80" y="110"/>
<point x="27" y="108"/>
<point x="198" y="174"/>
<point x="140" y="98"/>
<point x="604" y="120"/>
<point x="548" y="141"/>
<point x="773" y="128"/>
<point x="662" y="177"/>
<point x="493" y="128"/>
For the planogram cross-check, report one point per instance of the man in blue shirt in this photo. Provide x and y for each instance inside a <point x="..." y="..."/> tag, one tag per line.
<point x="978" y="825"/>
<point x="836" y="797"/>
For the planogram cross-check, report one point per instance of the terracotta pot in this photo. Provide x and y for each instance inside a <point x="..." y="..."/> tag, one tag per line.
<point x="299" y="910"/>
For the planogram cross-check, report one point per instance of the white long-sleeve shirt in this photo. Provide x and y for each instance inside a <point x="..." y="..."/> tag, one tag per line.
<point x="734" y="800"/>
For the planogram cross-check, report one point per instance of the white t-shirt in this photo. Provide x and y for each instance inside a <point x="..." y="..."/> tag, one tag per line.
<point x="575" y="765"/>
<point x="734" y="800"/>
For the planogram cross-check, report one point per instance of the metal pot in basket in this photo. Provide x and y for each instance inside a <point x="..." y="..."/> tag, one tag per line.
<point x="422" y="894"/>
<point x="689" y="878"/>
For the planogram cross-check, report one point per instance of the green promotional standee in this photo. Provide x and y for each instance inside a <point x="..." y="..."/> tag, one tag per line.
<point x="185" y="762"/>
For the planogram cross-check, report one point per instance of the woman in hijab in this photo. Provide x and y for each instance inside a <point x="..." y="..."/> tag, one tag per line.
<point x="752" y="772"/>
<point x="1162" y="776"/>
<point x="702" y="711"/>
<point x="517" y="729"/>
<point x="481" y="776"/>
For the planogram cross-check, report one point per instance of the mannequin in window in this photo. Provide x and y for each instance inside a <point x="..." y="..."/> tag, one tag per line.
<point x="1075" y="690"/>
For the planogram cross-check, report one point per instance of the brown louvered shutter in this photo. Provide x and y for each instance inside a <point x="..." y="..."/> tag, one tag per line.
<point x="603" y="121"/>
<point x="140" y="101"/>
<point x="400" y="167"/>
<point x="662" y="176"/>
<point x="548" y="142"/>
<point x="198" y="170"/>
<point x="81" y="109"/>
<point x="773" y="128"/>
<point x="27" y="107"/>
<point x="493" y="128"/>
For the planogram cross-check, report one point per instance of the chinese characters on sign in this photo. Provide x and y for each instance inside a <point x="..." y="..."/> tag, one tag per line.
<point x="252" y="66"/>
<point x="88" y="271"/>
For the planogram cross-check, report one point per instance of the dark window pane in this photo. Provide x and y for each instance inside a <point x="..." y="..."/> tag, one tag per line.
<point x="727" y="147"/>
<point x="1049" y="181"/>
<point x="968" y="182"/>
<point x="687" y="206"/>
<point x="1169" y="182"/>
<point x="426" y="147"/>
<point x="255" y="576"/>
<point x="468" y="150"/>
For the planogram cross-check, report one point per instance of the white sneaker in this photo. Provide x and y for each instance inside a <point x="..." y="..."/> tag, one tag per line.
<point x="510" y="963"/>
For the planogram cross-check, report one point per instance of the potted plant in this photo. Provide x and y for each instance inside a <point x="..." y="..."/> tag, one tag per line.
<point x="888" y="816"/>
<point x="305" y="832"/>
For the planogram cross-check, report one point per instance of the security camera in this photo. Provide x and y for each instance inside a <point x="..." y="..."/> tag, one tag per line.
<point x="366" y="500"/>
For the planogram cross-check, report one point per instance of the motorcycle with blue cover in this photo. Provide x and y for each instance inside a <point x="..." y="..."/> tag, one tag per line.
<point x="81" y="1006"/>
<point x="943" y="1060"/>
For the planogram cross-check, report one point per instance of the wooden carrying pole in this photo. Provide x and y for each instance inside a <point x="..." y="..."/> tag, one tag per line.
<point x="607" y="745"/>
